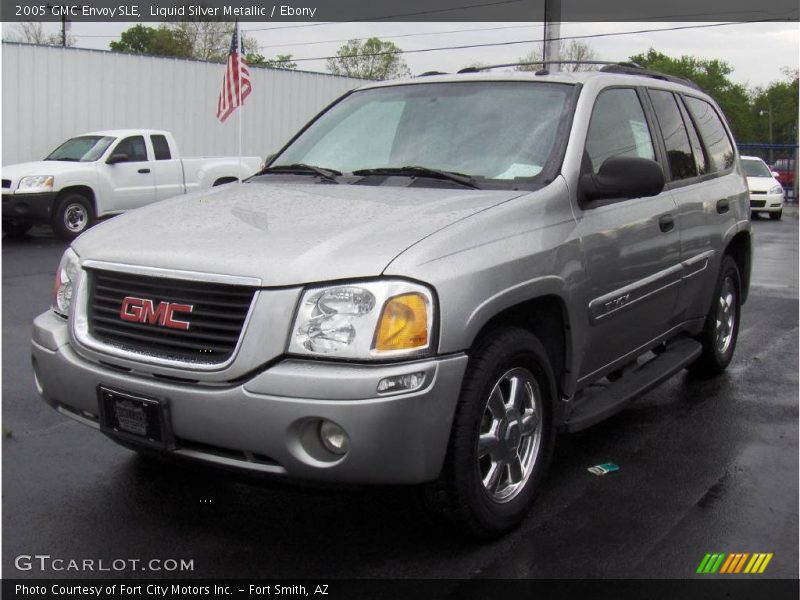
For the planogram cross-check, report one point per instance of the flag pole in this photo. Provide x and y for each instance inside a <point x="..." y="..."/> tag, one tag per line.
<point x="239" y="84"/>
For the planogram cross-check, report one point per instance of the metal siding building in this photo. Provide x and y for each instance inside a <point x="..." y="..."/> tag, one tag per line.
<point x="52" y="93"/>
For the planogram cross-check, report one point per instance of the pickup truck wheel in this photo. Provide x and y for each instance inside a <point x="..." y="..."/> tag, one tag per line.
<point x="776" y="216"/>
<point x="502" y="436"/>
<point x="721" y="328"/>
<point x="72" y="216"/>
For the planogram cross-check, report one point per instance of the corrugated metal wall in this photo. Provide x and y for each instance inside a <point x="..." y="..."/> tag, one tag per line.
<point x="52" y="93"/>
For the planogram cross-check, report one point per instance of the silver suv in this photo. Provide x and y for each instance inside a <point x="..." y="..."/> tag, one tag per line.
<point x="426" y="283"/>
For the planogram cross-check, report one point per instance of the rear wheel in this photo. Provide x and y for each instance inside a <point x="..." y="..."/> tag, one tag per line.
<point x="502" y="436"/>
<point x="776" y="216"/>
<point x="721" y="328"/>
<point x="72" y="216"/>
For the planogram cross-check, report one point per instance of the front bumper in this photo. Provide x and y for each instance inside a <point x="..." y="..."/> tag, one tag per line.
<point x="33" y="208"/>
<point x="766" y="202"/>
<point x="267" y="423"/>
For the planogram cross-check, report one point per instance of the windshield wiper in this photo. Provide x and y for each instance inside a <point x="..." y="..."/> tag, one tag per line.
<point x="418" y="171"/>
<point x="302" y="169"/>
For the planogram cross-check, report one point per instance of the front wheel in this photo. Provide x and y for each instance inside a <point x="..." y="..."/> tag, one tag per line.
<point x="502" y="436"/>
<point x="72" y="216"/>
<point x="721" y="329"/>
<point x="776" y="216"/>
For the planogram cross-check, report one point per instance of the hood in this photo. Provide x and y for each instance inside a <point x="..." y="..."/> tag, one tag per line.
<point x="284" y="234"/>
<point x="761" y="184"/>
<point x="39" y="167"/>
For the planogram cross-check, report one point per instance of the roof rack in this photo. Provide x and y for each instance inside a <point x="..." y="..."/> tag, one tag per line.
<point x="619" y="68"/>
<point x="429" y="73"/>
<point x="626" y="69"/>
<point x="548" y="62"/>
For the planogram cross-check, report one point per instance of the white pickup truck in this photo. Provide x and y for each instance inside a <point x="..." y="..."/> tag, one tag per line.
<point x="105" y="173"/>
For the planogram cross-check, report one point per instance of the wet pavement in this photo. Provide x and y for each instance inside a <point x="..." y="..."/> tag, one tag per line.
<point x="705" y="466"/>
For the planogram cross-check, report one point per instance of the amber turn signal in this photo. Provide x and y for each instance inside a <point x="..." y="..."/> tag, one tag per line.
<point x="403" y="324"/>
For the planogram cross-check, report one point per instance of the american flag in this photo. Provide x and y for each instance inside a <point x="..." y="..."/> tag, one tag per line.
<point x="236" y="83"/>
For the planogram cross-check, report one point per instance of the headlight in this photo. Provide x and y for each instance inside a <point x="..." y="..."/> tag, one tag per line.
<point x="35" y="183"/>
<point x="370" y="320"/>
<point x="64" y="285"/>
<point x="776" y="190"/>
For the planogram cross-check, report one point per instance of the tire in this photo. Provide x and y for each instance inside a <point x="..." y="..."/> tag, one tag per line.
<point x="16" y="228"/>
<point x="776" y="216"/>
<point x="753" y="216"/>
<point x="721" y="329"/>
<point x="73" y="215"/>
<point x="487" y="496"/>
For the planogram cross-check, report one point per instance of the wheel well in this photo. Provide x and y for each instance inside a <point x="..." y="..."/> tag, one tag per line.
<point x="739" y="249"/>
<point x="546" y="318"/>
<point x="224" y="180"/>
<point x="83" y="190"/>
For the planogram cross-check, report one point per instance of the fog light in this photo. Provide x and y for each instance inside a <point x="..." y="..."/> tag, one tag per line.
<point x="334" y="437"/>
<point x="401" y="383"/>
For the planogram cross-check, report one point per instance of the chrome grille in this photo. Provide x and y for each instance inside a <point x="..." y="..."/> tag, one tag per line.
<point x="215" y="322"/>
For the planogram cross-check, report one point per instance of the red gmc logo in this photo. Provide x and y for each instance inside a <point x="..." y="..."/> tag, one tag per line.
<point x="142" y="310"/>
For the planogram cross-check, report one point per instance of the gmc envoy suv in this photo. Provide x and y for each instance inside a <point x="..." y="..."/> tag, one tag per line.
<point x="425" y="285"/>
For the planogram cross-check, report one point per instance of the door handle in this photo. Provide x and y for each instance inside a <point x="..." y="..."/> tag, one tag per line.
<point x="666" y="223"/>
<point x="143" y="171"/>
<point x="723" y="206"/>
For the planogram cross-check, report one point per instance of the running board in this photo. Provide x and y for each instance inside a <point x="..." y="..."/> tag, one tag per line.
<point x="597" y="402"/>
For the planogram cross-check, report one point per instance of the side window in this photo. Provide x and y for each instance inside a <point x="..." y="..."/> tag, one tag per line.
<point x="700" y="158"/>
<point x="676" y="139"/>
<point x="717" y="142"/>
<point x="618" y="128"/>
<point x="160" y="147"/>
<point x="134" y="147"/>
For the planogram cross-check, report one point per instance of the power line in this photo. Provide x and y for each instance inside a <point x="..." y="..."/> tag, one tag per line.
<point x="515" y="42"/>
<point x="412" y="14"/>
<point x="400" y="35"/>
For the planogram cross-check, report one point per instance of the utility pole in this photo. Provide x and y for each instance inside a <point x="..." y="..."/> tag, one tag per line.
<point x="768" y="112"/>
<point x="551" y="50"/>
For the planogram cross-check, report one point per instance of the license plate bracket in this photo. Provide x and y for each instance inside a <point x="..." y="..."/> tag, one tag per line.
<point x="135" y="418"/>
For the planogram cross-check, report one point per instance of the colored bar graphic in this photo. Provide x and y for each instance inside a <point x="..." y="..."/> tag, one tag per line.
<point x="734" y="563"/>
<point x="728" y="565"/>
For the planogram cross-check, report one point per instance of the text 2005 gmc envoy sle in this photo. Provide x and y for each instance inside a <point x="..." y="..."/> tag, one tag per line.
<point x="427" y="283"/>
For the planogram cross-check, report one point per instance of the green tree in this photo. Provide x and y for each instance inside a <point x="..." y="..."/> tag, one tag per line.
<point x="712" y="76"/>
<point x="281" y="61"/>
<point x="778" y="99"/>
<point x="161" y="41"/>
<point x="369" y="59"/>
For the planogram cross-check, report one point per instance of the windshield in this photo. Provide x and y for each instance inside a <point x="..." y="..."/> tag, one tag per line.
<point x="755" y="168"/>
<point x="492" y="131"/>
<point x="85" y="148"/>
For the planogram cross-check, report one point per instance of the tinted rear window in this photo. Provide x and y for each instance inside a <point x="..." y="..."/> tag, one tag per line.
<point x="676" y="139"/>
<point x="160" y="147"/>
<point x="720" y="149"/>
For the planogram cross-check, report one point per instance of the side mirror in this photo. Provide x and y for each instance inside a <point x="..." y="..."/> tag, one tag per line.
<point x="117" y="158"/>
<point x="775" y="174"/>
<point x="623" y="177"/>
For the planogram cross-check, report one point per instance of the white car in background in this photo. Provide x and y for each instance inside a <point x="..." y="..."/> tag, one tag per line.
<point x="766" y="192"/>
<point x="105" y="173"/>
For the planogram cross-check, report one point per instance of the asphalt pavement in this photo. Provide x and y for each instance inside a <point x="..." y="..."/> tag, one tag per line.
<point x="705" y="466"/>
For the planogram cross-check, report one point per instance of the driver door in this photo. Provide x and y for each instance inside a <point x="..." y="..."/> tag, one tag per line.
<point x="132" y="182"/>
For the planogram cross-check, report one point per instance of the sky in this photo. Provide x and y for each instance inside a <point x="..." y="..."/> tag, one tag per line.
<point x="756" y="51"/>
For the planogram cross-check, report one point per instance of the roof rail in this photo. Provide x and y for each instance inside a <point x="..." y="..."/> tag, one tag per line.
<point x="429" y="73"/>
<point x="626" y="69"/>
<point x="549" y="62"/>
